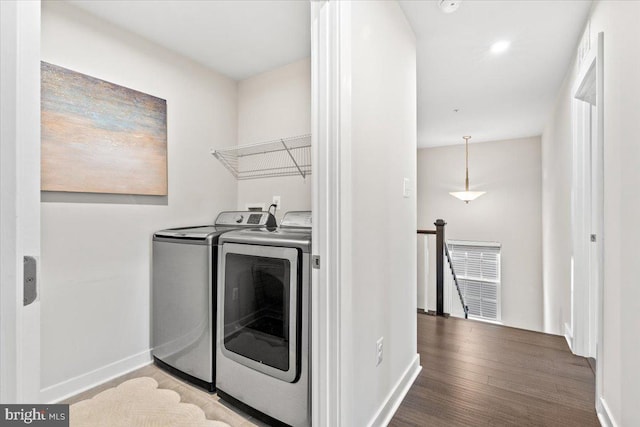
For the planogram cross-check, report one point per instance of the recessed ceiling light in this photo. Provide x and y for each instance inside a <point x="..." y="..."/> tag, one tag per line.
<point x="500" y="47"/>
<point x="449" y="6"/>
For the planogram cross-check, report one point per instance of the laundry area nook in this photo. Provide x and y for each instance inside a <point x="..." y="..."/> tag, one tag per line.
<point x="319" y="213"/>
<point x="186" y="127"/>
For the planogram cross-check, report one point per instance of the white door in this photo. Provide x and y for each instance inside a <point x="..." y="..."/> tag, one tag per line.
<point x="596" y="227"/>
<point x="588" y="209"/>
<point x="19" y="198"/>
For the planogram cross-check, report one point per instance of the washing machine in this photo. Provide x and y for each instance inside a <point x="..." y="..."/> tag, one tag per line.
<point x="184" y="295"/>
<point x="263" y="350"/>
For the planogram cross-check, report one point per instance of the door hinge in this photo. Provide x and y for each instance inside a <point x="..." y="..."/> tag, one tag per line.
<point x="315" y="261"/>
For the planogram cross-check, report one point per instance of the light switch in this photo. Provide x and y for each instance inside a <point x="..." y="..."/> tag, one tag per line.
<point x="406" y="189"/>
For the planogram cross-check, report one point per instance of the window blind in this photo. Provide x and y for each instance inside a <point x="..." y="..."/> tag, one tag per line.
<point x="477" y="266"/>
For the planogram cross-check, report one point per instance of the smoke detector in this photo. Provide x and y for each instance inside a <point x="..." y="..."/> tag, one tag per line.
<point x="449" y="6"/>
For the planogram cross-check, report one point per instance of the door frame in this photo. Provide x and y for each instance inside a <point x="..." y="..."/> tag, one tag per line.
<point x="330" y="119"/>
<point x="19" y="199"/>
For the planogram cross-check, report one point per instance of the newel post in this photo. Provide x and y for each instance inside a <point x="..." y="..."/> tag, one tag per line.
<point x="440" y="266"/>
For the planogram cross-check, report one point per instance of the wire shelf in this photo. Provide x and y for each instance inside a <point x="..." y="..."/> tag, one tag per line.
<point x="280" y="157"/>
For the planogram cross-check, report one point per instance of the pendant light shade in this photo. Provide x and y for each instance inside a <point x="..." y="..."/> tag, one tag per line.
<point x="466" y="195"/>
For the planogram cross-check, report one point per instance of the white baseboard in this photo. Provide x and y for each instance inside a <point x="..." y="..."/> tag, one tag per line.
<point x="568" y="335"/>
<point x="80" y="383"/>
<point x="396" y="396"/>
<point x="604" y="414"/>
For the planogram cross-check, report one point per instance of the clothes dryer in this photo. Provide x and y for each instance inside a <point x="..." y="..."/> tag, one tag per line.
<point x="263" y="351"/>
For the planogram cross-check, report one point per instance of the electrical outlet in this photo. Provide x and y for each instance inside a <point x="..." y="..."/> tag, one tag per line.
<point x="276" y="201"/>
<point x="379" y="349"/>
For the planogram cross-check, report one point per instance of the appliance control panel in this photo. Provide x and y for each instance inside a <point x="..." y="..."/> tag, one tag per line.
<point x="246" y="218"/>
<point x="296" y="219"/>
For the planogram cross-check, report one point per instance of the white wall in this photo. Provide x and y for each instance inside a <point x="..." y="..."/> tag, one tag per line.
<point x="621" y="347"/>
<point x="556" y="213"/>
<point x="272" y="105"/>
<point x="509" y="213"/>
<point x="378" y="249"/>
<point x="96" y="248"/>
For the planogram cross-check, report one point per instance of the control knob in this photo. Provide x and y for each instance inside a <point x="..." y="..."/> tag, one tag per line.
<point x="239" y="219"/>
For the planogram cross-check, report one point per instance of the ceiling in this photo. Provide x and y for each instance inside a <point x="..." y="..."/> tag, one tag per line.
<point x="236" y="38"/>
<point x="498" y="96"/>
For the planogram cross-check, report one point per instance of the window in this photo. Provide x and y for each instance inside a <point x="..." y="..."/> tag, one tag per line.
<point x="477" y="266"/>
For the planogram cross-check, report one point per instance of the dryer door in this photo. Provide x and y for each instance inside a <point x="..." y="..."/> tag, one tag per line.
<point x="259" y="308"/>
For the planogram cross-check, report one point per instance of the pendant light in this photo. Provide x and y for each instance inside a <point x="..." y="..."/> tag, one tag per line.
<point x="466" y="195"/>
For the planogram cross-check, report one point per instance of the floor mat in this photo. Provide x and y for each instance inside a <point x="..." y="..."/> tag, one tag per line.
<point x="138" y="403"/>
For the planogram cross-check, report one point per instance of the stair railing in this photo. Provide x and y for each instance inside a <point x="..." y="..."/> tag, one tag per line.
<point x="442" y="253"/>
<point x="465" y="307"/>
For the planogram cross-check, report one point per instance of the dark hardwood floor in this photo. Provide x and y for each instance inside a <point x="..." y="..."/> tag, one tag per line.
<point x="479" y="374"/>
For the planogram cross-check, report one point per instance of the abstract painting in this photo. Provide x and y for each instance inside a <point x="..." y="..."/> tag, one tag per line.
<point x="99" y="137"/>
